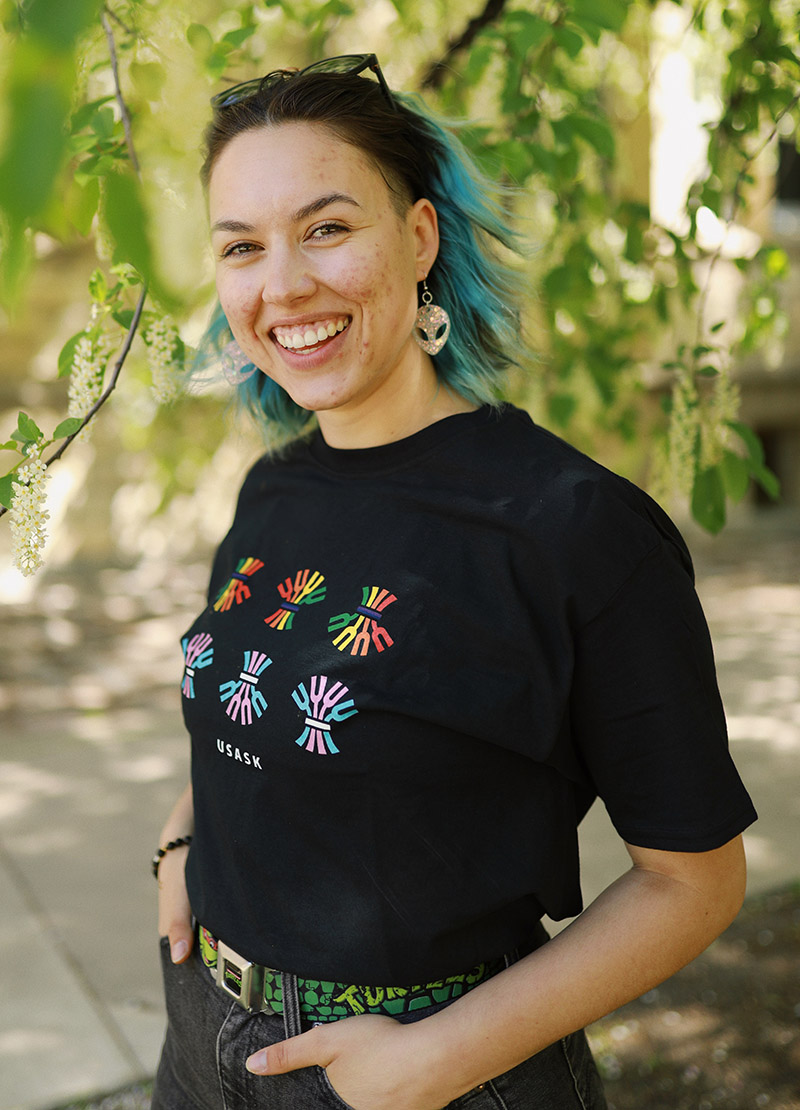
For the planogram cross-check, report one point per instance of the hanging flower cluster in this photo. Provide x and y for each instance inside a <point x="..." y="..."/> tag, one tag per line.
<point x="683" y="431"/>
<point x="28" y="515"/>
<point x="163" y="344"/>
<point x="88" y="370"/>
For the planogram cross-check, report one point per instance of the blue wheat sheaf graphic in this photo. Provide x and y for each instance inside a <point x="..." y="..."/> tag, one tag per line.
<point x="323" y="704"/>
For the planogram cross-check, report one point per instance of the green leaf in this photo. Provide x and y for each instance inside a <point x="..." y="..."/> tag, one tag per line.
<point x="237" y="37"/>
<point x="608" y="15"/>
<point x="67" y="427"/>
<point x="595" y="132"/>
<point x="124" y="317"/>
<point x="768" y="481"/>
<point x="29" y="428"/>
<point x="6" y="492"/>
<point x="569" y="41"/>
<point x="67" y="354"/>
<point x="708" y="499"/>
<point x="98" y="287"/>
<point x="527" y="31"/>
<point x="200" y="39"/>
<point x="126" y="219"/>
<point x="37" y="105"/>
<point x="735" y="475"/>
<point x="9" y="445"/>
<point x="83" y="115"/>
<point x="59" y="22"/>
<point x="755" y="449"/>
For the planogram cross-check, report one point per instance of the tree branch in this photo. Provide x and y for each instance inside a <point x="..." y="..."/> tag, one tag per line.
<point x="435" y="73"/>
<point x="736" y="198"/>
<point x="137" y="313"/>
<point x="123" y="107"/>
<point x="115" y="373"/>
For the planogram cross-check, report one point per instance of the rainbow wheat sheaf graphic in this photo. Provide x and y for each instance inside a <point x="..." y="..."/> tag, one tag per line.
<point x="198" y="652"/>
<point x="323" y="704"/>
<point x="305" y="588"/>
<point x="237" y="589"/>
<point x="362" y="630"/>
<point x="241" y="693"/>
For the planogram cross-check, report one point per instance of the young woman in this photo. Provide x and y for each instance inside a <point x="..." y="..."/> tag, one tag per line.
<point x="435" y="632"/>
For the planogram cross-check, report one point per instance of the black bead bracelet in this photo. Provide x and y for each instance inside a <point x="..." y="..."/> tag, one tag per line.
<point x="161" y="852"/>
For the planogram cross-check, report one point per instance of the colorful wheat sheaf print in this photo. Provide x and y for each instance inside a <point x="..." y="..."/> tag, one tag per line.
<point x="237" y="589"/>
<point x="323" y="704"/>
<point x="198" y="652"/>
<point x="363" y="629"/>
<point x="305" y="588"/>
<point x="241" y="693"/>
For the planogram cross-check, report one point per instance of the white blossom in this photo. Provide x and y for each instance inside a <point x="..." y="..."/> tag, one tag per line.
<point x="162" y="339"/>
<point x="86" y="377"/>
<point x="683" y="430"/>
<point x="28" y="516"/>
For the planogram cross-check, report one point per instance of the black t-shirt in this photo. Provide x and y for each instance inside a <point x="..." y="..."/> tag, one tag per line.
<point x="419" y="664"/>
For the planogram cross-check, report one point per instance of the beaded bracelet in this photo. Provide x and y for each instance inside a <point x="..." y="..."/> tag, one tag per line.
<point x="177" y="843"/>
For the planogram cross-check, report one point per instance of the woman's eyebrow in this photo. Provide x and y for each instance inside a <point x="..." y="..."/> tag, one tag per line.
<point x="232" y="225"/>
<point x="322" y="202"/>
<point x="310" y="209"/>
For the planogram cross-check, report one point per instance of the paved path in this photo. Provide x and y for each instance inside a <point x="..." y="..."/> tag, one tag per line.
<point x="93" y="754"/>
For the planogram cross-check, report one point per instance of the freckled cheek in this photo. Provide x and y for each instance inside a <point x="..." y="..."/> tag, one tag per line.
<point x="239" y="304"/>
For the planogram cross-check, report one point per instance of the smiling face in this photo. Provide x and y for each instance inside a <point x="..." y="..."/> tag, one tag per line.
<point x="317" y="275"/>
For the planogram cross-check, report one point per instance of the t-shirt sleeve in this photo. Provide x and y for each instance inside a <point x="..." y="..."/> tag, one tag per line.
<point x="647" y="715"/>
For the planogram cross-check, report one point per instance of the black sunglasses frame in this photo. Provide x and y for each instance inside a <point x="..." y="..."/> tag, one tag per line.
<point x="359" y="62"/>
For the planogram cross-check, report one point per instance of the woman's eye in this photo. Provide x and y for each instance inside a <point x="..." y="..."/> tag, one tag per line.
<point x="325" y="231"/>
<point x="237" y="249"/>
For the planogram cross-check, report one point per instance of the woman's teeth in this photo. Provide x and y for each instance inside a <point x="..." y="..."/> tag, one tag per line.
<point x="309" y="335"/>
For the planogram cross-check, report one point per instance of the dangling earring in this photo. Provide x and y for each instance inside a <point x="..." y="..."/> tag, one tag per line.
<point x="236" y="366"/>
<point x="432" y="325"/>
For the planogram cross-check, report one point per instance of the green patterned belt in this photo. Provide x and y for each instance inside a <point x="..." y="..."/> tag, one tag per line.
<point x="258" y="988"/>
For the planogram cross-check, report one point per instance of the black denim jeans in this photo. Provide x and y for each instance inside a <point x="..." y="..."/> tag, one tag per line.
<point x="209" y="1037"/>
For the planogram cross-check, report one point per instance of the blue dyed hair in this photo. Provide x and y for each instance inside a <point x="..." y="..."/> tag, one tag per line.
<point x="418" y="156"/>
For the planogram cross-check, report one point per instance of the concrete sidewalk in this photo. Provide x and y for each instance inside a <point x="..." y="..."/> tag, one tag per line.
<point x="93" y="755"/>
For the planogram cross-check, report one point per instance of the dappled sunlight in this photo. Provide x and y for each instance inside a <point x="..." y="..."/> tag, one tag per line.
<point x="677" y="1046"/>
<point x="22" y="785"/>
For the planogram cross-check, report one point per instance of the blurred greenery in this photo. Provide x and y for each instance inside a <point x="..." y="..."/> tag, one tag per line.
<point x="103" y="106"/>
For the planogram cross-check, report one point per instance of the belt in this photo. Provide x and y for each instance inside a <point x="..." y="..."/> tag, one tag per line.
<point x="258" y="988"/>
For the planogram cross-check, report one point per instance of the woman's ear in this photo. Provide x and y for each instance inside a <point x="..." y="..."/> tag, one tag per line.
<point x="425" y="225"/>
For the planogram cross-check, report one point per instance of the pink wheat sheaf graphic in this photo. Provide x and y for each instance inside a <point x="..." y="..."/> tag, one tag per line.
<point x="198" y="652"/>
<point x="237" y="588"/>
<point x="323" y="705"/>
<point x="363" y="630"/>
<point x="306" y="588"/>
<point x="241" y="693"/>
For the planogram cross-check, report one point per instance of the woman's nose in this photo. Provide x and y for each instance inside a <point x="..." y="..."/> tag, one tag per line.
<point x="287" y="277"/>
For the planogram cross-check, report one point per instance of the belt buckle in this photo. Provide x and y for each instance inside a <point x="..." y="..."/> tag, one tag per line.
<point x="230" y="966"/>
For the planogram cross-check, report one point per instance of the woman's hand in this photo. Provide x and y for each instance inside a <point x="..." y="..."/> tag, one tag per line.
<point x="174" y="911"/>
<point x="373" y="1063"/>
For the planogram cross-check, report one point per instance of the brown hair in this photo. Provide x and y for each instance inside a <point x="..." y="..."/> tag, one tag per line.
<point x="352" y="108"/>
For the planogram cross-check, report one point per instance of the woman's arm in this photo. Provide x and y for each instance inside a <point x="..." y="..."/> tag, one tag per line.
<point x="174" y="912"/>
<point x="649" y="923"/>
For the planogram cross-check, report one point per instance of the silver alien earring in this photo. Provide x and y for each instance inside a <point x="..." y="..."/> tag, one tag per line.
<point x="236" y="366"/>
<point x="432" y="325"/>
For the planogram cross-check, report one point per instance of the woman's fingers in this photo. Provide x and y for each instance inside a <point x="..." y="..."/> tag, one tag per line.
<point x="174" y="911"/>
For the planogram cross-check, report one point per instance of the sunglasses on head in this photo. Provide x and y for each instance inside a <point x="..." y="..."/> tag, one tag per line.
<point x="343" y="64"/>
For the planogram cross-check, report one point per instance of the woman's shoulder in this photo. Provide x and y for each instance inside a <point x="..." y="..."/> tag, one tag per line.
<point x="573" y="506"/>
